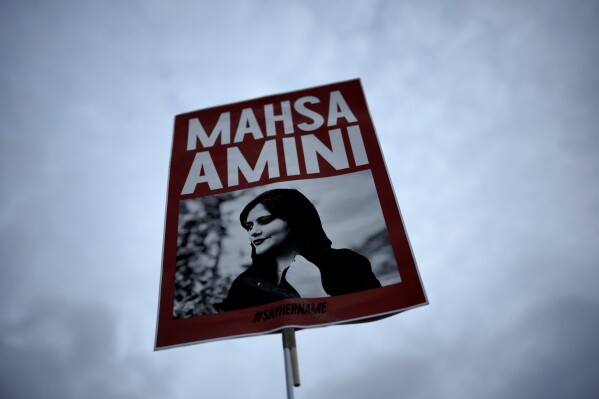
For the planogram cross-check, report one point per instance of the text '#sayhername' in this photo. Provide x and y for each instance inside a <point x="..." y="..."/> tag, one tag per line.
<point x="290" y="309"/>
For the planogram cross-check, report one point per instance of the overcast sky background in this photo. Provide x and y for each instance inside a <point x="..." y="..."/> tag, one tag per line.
<point x="488" y="115"/>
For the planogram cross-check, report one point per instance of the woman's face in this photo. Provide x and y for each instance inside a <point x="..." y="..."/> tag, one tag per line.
<point x="266" y="231"/>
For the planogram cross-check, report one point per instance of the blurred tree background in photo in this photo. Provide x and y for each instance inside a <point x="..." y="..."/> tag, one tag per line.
<point x="199" y="286"/>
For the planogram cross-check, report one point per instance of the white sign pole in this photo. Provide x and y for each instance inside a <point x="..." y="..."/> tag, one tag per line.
<point x="291" y="364"/>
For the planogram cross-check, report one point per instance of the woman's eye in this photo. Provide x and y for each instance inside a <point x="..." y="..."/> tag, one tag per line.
<point x="265" y="220"/>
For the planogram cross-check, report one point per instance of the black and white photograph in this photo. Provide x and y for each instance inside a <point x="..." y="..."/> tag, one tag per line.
<point x="296" y="239"/>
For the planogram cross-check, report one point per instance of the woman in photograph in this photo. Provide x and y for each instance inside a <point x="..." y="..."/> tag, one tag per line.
<point x="292" y="256"/>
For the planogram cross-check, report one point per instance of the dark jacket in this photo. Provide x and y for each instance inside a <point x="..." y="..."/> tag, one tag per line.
<point x="342" y="271"/>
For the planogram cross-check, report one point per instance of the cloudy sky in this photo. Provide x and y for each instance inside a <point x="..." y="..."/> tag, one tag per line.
<point x="488" y="115"/>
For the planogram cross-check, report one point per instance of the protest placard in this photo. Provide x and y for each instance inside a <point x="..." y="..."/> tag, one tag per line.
<point x="280" y="213"/>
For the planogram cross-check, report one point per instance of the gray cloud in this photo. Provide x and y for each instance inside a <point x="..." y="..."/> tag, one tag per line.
<point x="58" y="349"/>
<point x="548" y="352"/>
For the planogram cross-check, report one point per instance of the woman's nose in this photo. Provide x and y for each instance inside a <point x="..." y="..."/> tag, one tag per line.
<point x="255" y="230"/>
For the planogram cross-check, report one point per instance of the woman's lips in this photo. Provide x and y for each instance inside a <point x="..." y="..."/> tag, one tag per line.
<point x="259" y="241"/>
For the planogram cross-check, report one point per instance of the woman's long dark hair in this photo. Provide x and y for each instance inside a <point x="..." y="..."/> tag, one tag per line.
<point x="297" y="210"/>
